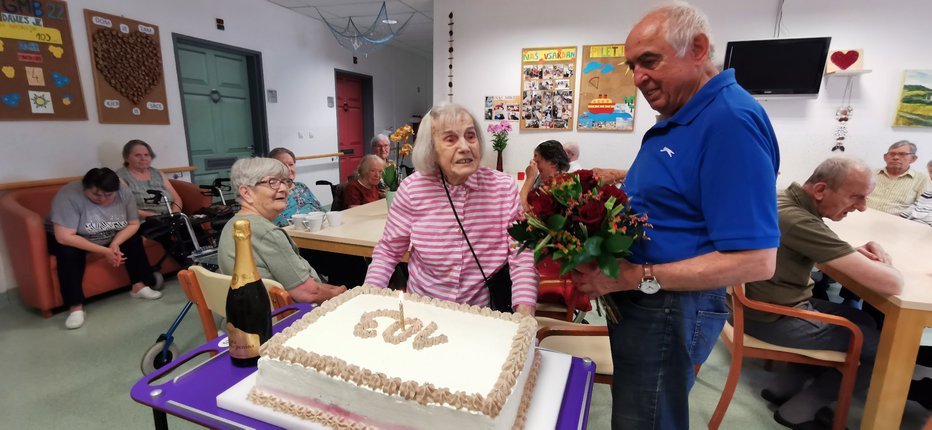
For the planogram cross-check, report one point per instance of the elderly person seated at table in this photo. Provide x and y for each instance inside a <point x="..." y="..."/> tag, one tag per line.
<point x="443" y="262"/>
<point x="262" y="186"/>
<point x="836" y="187"/>
<point x="96" y="216"/>
<point x="364" y="188"/>
<point x="898" y="186"/>
<point x="301" y="199"/>
<point x="549" y="160"/>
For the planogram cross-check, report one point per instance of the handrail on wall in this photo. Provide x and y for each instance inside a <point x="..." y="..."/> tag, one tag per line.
<point x="9" y="186"/>
<point x="311" y="157"/>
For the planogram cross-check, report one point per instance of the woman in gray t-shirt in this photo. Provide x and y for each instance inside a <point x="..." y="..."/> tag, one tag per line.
<point x="96" y="216"/>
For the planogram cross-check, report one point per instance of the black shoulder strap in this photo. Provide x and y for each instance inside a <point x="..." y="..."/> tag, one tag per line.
<point x="443" y="180"/>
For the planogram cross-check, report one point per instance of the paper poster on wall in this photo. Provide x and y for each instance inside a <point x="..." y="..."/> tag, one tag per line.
<point x="38" y="72"/>
<point x="914" y="108"/>
<point x="548" y="80"/>
<point x="499" y="108"/>
<point x="127" y="65"/>
<point x="607" y="94"/>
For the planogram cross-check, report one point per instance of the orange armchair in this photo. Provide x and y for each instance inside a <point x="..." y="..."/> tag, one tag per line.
<point x="22" y="217"/>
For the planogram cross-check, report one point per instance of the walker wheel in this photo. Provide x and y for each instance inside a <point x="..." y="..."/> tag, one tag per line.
<point x="154" y="359"/>
<point x="159" y="281"/>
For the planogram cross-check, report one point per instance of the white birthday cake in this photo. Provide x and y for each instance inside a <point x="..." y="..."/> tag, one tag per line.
<point x="350" y="363"/>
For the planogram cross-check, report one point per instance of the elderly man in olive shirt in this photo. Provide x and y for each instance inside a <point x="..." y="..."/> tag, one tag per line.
<point x="838" y="186"/>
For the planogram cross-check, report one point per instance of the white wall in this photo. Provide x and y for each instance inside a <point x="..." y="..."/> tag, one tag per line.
<point x="299" y="56"/>
<point x="488" y="45"/>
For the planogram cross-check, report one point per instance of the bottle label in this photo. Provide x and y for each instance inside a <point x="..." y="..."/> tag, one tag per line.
<point x="242" y="344"/>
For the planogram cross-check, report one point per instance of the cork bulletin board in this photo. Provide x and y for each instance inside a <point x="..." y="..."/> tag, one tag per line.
<point x="607" y="94"/>
<point x="38" y="72"/>
<point x="548" y="80"/>
<point x="127" y="65"/>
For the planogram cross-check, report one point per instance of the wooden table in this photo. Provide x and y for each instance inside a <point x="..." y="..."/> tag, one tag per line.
<point x="361" y="229"/>
<point x="909" y="243"/>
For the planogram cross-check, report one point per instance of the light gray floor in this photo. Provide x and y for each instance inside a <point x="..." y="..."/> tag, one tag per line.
<point x="80" y="379"/>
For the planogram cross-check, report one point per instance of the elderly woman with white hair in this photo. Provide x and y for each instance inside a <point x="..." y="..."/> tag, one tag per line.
<point x="262" y="186"/>
<point x="453" y="214"/>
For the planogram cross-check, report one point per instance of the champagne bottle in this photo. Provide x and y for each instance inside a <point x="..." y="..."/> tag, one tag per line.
<point x="249" y="313"/>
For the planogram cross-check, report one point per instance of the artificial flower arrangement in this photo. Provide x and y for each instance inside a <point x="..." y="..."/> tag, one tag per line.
<point x="391" y="176"/>
<point x="577" y="219"/>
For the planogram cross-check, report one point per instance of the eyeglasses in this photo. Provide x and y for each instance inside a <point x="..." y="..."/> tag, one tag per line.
<point x="275" y="184"/>
<point x="899" y="154"/>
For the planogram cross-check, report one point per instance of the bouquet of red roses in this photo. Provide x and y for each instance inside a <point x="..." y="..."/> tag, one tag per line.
<point x="576" y="219"/>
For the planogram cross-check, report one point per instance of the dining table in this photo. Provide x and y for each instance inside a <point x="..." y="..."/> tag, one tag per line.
<point x="906" y="315"/>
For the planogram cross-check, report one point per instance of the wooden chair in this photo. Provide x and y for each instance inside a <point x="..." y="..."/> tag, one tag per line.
<point x="742" y="345"/>
<point x="556" y="297"/>
<point x="581" y="340"/>
<point x="208" y="290"/>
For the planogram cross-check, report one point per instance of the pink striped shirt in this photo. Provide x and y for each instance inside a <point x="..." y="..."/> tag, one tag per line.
<point x="440" y="264"/>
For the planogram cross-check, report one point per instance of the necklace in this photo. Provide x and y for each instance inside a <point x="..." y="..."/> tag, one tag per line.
<point x="363" y="184"/>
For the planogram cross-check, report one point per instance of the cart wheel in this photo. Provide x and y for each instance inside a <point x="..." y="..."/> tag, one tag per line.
<point x="154" y="359"/>
<point x="159" y="281"/>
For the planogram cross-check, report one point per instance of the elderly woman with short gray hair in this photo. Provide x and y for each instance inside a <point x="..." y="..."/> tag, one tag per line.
<point x="364" y="188"/>
<point x="262" y="186"/>
<point x="451" y="187"/>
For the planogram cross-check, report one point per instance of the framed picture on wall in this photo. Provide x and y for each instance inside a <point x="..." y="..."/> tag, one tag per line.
<point x="607" y="94"/>
<point x="548" y="79"/>
<point x="914" y="108"/>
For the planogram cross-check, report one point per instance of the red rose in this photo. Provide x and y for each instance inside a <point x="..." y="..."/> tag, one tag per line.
<point x="591" y="214"/>
<point x="543" y="205"/>
<point x="586" y="179"/>
<point x="609" y="191"/>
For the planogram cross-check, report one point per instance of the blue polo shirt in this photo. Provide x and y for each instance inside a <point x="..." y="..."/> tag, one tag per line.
<point x="706" y="177"/>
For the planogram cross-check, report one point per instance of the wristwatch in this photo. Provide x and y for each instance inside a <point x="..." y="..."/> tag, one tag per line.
<point x="649" y="284"/>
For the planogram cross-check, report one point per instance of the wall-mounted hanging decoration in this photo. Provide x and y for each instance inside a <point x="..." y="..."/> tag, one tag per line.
<point x="915" y="105"/>
<point x="844" y="60"/>
<point x="127" y="63"/>
<point x="450" y="57"/>
<point x="548" y="80"/>
<point x="607" y="94"/>
<point x="38" y="72"/>
<point x="499" y="108"/>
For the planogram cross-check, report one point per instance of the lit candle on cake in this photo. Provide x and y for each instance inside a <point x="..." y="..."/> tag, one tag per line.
<point x="401" y="309"/>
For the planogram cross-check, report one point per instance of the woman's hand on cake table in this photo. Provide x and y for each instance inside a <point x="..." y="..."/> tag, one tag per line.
<point x="527" y="310"/>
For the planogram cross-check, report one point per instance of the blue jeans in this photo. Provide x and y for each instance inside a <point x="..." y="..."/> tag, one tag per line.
<point x="655" y="345"/>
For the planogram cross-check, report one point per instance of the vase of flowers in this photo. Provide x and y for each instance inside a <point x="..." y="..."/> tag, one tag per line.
<point x="392" y="175"/>
<point x="577" y="219"/>
<point x="499" y="132"/>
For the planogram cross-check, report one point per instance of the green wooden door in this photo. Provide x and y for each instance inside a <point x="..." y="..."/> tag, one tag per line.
<point x="215" y="94"/>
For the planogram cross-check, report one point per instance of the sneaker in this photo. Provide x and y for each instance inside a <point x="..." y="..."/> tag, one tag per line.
<point x="74" y="320"/>
<point x="146" y="293"/>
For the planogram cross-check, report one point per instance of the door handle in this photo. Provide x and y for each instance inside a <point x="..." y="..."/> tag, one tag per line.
<point x="345" y="107"/>
<point x="215" y="95"/>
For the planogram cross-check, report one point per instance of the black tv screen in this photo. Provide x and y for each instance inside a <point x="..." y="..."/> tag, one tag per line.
<point x="779" y="66"/>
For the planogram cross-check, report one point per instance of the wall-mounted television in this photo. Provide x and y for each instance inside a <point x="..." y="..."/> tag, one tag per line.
<point x="778" y="66"/>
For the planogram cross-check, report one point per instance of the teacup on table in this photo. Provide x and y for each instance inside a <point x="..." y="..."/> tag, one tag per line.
<point x="298" y="221"/>
<point x="314" y="221"/>
<point x="335" y="218"/>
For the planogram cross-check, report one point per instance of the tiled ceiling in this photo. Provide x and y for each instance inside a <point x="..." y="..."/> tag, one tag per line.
<point x="417" y="36"/>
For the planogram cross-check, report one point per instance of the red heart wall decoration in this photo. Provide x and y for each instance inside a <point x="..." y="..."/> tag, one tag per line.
<point x="844" y="59"/>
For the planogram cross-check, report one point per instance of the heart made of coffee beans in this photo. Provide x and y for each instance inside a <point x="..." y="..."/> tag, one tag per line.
<point x="130" y="63"/>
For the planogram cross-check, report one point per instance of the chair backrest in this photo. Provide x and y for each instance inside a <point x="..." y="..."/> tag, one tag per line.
<point x="336" y="192"/>
<point x="581" y="340"/>
<point x="208" y="291"/>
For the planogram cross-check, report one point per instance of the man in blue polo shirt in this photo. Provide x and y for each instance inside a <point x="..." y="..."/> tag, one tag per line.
<point x="705" y="176"/>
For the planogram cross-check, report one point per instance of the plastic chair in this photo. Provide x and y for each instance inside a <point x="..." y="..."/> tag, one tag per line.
<point x="336" y="191"/>
<point x="208" y="291"/>
<point x="556" y="297"/>
<point x="581" y="340"/>
<point x="742" y="345"/>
